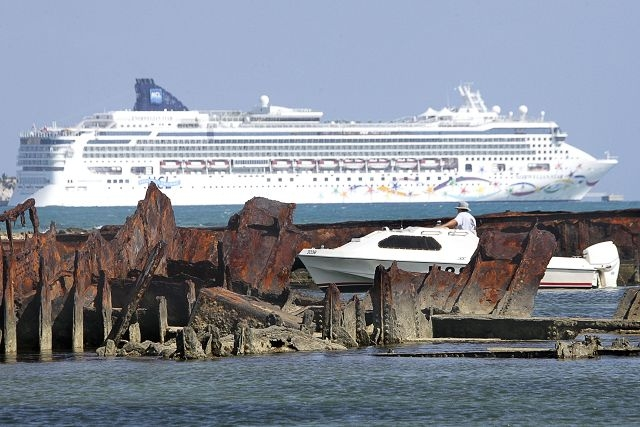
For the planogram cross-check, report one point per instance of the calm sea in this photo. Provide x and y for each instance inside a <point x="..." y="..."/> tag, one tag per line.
<point x="331" y="388"/>
<point x="216" y="216"/>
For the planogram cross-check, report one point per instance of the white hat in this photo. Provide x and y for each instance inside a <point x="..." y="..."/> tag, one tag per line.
<point x="464" y="206"/>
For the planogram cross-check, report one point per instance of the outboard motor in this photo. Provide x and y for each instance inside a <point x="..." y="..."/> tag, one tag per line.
<point x="604" y="257"/>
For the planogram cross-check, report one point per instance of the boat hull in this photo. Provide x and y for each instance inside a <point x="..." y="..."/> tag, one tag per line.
<point x="73" y="187"/>
<point x="352" y="266"/>
<point x="356" y="275"/>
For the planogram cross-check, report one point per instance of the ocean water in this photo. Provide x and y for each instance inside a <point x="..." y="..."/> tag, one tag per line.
<point x="353" y="387"/>
<point x="218" y="216"/>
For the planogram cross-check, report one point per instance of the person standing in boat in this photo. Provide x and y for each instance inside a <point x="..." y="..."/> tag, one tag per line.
<point x="464" y="220"/>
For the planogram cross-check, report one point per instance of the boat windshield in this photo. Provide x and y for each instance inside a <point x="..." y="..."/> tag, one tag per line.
<point x="425" y="243"/>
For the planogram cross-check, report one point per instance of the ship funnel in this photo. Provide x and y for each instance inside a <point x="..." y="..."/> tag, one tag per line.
<point x="152" y="97"/>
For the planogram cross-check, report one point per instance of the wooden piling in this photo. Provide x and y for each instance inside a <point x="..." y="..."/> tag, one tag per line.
<point x="134" y="330"/>
<point x="45" y="326"/>
<point x="77" y="339"/>
<point x="10" y="320"/>
<point x="163" y="318"/>
<point x="636" y="273"/>
<point x="191" y="296"/>
<point x="104" y="303"/>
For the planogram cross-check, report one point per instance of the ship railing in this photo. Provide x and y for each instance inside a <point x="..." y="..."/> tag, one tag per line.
<point x="49" y="133"/>
<point x="390" y="124"/>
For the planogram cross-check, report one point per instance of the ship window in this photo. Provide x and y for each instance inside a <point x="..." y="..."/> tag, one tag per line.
<point x="425" y="243"/>
<point x="468" y="167"/>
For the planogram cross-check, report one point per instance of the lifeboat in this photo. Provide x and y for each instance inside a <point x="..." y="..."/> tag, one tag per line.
<point x="378" y="164"/>
<point x="306" y="164"/>
<point x="406" y="164"/>
<point x="218" y="165"/>
<point x="328" y="164"/>
<point x="195" y="165"/>
<point x="429" y="164"/>
<point x="280" y="164"/>
<point x="353" y="164"/>
<point x="170" y="164"/>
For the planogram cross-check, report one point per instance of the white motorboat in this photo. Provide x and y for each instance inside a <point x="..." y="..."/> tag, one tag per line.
<point x="417" y="249"/>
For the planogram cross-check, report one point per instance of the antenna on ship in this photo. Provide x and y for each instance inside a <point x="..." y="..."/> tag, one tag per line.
<point x="474" y="99"/>
<point x="523" y="111"/>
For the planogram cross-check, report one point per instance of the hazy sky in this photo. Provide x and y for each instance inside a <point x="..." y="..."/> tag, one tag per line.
<point x="361" y="60"/>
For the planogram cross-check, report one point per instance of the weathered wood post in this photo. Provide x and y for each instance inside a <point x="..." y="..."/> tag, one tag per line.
<point x="332" y="312"/>
<point x="10" y="320"/>
<point x="134" y="329"/>
<point x="46" y="338"/>
<point x="636" y="274"/>
<point x="77" y="335"/>
<point x="163" y="319"/>
<point x="104" y="303"/>
<point x="191" y="296"/>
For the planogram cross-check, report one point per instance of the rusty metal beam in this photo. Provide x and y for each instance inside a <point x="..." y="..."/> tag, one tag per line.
<point x="156" y="255"/>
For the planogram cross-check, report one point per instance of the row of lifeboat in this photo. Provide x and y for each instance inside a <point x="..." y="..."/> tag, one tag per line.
<point x="312" y="164"/>
<point x="194" y="165"/>
<point x="357" y="164"/>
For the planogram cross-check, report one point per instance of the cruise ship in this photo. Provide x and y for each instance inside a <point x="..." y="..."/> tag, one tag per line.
<point x="226" y="157"/>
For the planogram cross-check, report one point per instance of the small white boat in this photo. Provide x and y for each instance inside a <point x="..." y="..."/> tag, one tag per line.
<point x="195" y="165"/>
<point x="417" y="249"/>
<point x="170" y="164"/>
<point x="430" y="164"/>
<point x="218" y="165"/>
<point x="280" y="164"/>
<point x="378" y="164"/>
<point x="353" y="164"/>
<point x="407" y="164"/>
<point x="328" y="164"/>
<point x="306" y="164"/>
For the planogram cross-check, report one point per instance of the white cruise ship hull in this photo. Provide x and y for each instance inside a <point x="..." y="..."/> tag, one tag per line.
<point x="302" y="187"/>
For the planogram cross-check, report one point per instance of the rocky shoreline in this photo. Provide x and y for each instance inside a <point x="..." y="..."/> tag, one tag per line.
<point x="150" y="288"/>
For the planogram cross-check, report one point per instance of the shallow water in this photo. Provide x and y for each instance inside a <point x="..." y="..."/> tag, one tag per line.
<point x="346" y="388"/>
<point x="334" y="388"/>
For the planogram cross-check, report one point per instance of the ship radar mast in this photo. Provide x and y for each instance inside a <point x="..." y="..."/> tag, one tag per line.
<point x="474" y="99"/>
